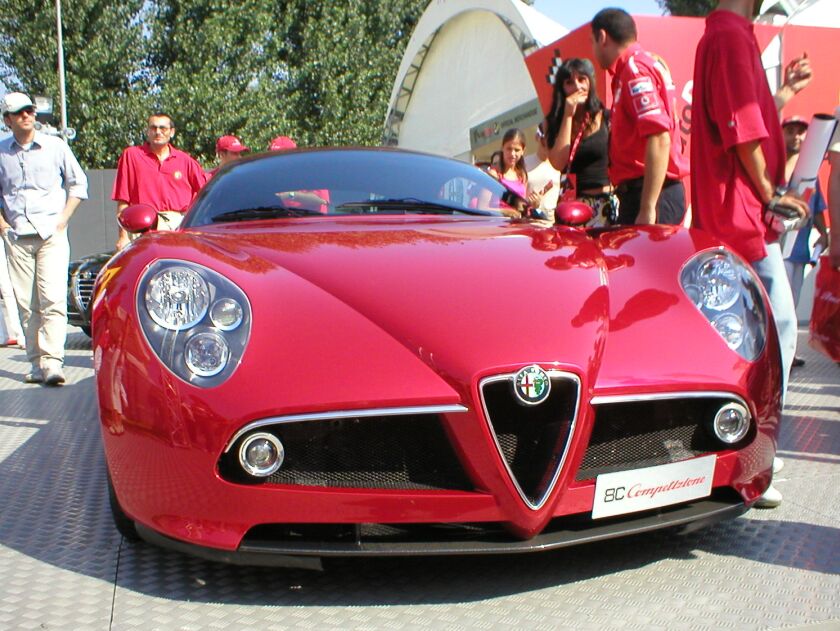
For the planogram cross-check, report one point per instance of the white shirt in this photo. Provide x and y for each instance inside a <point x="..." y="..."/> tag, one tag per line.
<point x="538" y="177"/>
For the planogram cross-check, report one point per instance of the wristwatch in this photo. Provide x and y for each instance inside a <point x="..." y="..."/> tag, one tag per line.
<point x="780" y="192"/>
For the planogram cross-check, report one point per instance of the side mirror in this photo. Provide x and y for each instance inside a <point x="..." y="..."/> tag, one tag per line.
<point x="573" y="214"/>
<point x="138" y="218"/>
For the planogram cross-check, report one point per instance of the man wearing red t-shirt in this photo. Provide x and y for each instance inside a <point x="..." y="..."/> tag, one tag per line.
<point x="646" y="160"/>
<point x="158" y="174"/>
<point x="738" y="161"/>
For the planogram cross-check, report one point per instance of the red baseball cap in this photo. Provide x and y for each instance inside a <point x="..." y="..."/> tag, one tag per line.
<point x="230" y="143"/>
<point x="794" y="120"/>
<point x="281" y="143"/>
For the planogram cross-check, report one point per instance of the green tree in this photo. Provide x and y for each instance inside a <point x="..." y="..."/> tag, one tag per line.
<point x="698" y="8"/>
<point x="218" y="68"/>
<point x="344" y="57"/>
<point x="104" y="52"/>
<point x="320" y="72"/>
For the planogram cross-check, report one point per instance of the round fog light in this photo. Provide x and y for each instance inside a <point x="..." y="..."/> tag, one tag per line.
<point x="732" y="422"/>
<point x="261" y="454"/>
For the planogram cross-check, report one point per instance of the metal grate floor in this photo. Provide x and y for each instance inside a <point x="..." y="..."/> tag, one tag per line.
<point x="63" y="566"/>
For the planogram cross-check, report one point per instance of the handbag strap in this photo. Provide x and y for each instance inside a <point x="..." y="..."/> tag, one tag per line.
<point x="576" y="143"/>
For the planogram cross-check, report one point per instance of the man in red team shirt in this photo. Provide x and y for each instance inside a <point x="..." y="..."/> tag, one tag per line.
<point x="738" y="163"/>
<point x="646" y="161"/>
<point x="228" y="149"/>
<point x="158" y="174"/>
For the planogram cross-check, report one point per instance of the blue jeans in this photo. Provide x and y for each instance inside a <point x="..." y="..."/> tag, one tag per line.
<point x="771" y="270"/>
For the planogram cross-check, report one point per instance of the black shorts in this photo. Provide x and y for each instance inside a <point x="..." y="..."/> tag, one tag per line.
<point x="670" y="209"/>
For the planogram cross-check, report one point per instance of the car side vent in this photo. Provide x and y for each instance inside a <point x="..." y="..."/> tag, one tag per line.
<point x="533" y="439"/>
<point x="410" y="452"/>
<point x="634" y="434"/>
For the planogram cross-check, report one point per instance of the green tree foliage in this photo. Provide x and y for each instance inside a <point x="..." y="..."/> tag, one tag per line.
<point x="320" y="72"/>
<point x="697" y="8"/>
<point x="218" y="68"/>
<point x="106" y="86"/>
<point x="344" y="57"/>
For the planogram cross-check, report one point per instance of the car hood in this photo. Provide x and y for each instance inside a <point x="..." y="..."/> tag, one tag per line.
<point x="469" y="297"/>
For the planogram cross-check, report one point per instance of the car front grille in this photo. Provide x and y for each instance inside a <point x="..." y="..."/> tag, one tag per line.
<point x="532" y="439"/>
<point x="83" y="287"/>
<point x="635" y="434"/>
<point x="410" y="452"/>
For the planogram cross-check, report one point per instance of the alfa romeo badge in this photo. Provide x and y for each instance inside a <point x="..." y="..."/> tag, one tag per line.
<point x="531" y="385"/>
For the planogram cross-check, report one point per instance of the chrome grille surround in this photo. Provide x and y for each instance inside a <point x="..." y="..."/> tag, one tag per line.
<point x="550" y="473"/>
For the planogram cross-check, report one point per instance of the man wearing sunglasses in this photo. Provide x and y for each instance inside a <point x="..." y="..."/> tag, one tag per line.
<point x="41" y="184"/>
<point x="158" y="174"/>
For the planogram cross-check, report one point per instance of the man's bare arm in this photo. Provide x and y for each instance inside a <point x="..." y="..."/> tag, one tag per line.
<point x="122" y="238"/>
<point x="657" y="152"/>
<point x="752" y="159"/>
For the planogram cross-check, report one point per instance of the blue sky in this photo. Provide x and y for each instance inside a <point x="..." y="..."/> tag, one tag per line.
<point x="573" y="13"/>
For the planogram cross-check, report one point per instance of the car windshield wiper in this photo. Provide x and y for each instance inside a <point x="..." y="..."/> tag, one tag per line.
<point x="412" y="204"/>
<point x="264" y="212"/>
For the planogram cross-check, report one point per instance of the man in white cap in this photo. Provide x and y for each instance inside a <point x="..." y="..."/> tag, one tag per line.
<point x="797" y="248"/>
<point x="41" y="184"/>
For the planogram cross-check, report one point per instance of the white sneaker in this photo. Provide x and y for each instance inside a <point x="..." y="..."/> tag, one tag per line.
<point x="778" y="464"/>
<point x="34" y="376"/>
<point x="53" y="376"/>
<point x="771" y="498"/>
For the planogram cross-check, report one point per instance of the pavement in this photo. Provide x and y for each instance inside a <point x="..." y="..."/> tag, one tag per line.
<point x="64" y="566"/>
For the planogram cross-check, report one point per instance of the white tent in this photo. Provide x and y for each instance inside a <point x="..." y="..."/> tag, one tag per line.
<point x="824" y="13"/>
<point x="464" y="67"/>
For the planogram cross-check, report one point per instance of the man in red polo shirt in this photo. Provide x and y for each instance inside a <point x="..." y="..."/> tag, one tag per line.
<point x="738" y="163"/>
<point x="646" y="160"/>
<point x="158" y="174"/>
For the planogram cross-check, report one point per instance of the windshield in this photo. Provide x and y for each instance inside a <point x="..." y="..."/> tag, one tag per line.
<point x="348" y="182"/>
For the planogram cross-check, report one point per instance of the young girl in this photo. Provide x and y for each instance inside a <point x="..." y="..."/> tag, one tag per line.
<point x="512" y="172"/>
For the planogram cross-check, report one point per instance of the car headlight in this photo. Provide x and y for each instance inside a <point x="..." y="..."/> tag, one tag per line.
<point x="727" y="293"/>
<point x="177" y="298"/>
<point x="196" y="320"/>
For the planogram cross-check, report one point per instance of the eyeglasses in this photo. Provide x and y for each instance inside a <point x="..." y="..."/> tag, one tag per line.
<point x="159" y="127"/>
<point x="26" y="110"/>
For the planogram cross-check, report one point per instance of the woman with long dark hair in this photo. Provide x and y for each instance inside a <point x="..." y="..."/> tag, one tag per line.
<point x="577" y="137"/>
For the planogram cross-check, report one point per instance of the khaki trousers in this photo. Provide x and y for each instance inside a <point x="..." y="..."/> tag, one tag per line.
<point x="167" y="220"/>
<point x="11" y="318"/>
<point x="38" y="269"/>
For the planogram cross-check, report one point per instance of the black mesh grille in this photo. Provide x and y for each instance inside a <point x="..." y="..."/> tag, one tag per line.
<point x="389" y="452"/>
<point x="532" y="438"/>
<point x="639" y="434"/>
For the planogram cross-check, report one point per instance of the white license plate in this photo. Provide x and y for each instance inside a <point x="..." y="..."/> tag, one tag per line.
<point x="652" y="487"/>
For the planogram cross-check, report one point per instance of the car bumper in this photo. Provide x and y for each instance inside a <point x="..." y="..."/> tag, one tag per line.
<point x="561" y="532"/>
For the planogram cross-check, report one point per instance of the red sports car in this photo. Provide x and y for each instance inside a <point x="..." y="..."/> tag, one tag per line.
<point x="360" y="352"/>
